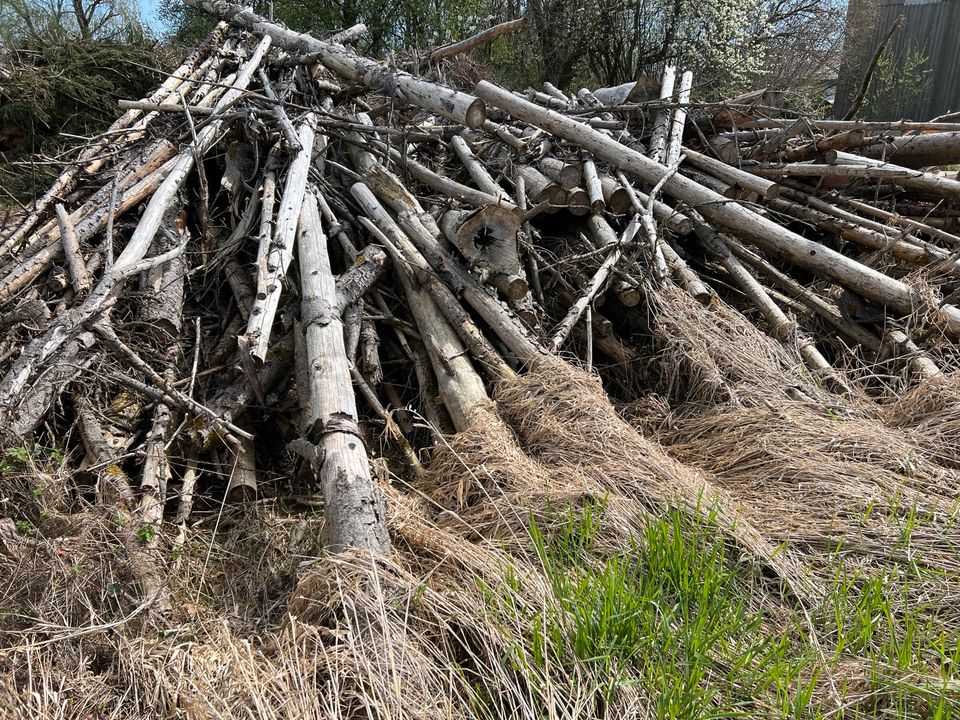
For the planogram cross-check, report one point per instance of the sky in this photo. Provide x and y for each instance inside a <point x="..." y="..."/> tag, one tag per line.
<point x="149" y="9"/>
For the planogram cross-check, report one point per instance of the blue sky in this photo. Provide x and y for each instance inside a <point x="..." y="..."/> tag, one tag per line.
<point x="149" y="10"/>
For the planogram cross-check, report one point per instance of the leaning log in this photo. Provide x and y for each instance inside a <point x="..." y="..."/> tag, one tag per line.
<point x="354" y="507"/>
<point x="279" y="253"/>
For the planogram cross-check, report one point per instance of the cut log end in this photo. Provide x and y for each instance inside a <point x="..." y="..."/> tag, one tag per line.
<point x="475" y="114"/>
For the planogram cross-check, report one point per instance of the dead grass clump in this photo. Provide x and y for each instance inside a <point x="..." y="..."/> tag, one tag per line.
<point x="565" y="420"/>
<point x="930" y="413"/>
<point x="482" y="482"/>
<point x="710" y="354"/>
<point x="437" y="645"/>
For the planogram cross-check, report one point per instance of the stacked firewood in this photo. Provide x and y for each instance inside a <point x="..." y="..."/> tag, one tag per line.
<point x="291" y="259"/>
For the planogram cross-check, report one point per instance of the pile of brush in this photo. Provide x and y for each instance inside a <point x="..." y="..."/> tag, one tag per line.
<point x="295" y="274"/>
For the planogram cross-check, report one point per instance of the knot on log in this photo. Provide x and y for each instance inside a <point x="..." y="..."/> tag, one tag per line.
<point x="325" y="314"/>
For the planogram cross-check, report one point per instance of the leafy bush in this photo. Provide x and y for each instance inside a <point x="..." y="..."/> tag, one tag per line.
<point x="60" y="87"/>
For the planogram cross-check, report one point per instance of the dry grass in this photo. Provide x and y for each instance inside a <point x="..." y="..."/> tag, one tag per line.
<point x="552" y="562"/>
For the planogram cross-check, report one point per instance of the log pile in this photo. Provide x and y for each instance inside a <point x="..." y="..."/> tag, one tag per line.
<point x="299" y="273"/>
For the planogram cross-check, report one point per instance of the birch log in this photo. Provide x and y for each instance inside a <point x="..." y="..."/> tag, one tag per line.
<point x="671" y="153"/>
<point x="661" y="123"/>
<point x="280" y="251"/>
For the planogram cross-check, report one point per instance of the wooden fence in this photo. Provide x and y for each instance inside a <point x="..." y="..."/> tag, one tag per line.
<point x="930" y="31"/>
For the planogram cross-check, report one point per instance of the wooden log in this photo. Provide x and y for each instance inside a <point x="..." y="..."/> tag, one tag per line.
<point x="459" y="321"/>
<point x="71" y="251"/>
<point x="461" y="388"/>
<point x="671" y="153"/>
<point x="913" y="179"/>
<point x="73" y="358"/>
<point x="503" y="134"/>
<point x="729" y="150"/>
<point x="629" y="92"/>
<point x="594" y="187"/>
<point x="578" y="202"/>
<point x="525" y="241"/>
<point x="445" y="185"/>
<point x="425" y="242"/>
<point x="683" y="275"/>
<point x="602" y="237"/>
<point x="286" y="127"/>
<point x="732" y="175"/>
<point x="709" y="181"/>
<point x="916" y="151"/>
<point x="672" y="218"/>
<point x="896" y="343"/>
<point x="828" y="311"/>
<point x="900" y="220"/>
<point x="896" y="125"/>
<point x="187" y="487"/>
<point x="474" y="41"/>
<point x="540" y="189"/>
<point x="551" y="89"/>
<point x="545" y="99"/>
<point x="87" y="221"/>
<point x="280" y="249"/>
<point x="357" y="280"/>
<point x="756" y="229"/>
<point x="661" y="121"/>
<point x="615" y="196"/>
<point x="164" y="107"/>
<point x="841" y="141"/>
<point x="488" y="239"/>
<point x="566" y="174"/>
<point x="354" y="508"/>
<point x="478" y="173"/>
<point x="457" y="106"/>
<point x="161" y="298"/>
<point x="773" y="144"/>
<point x="917" y="253"/>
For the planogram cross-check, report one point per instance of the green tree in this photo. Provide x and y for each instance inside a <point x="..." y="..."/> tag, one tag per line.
<point x="900" y="82"/>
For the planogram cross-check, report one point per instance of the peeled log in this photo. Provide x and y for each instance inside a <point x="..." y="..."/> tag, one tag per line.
<point x="354" y="507"/>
